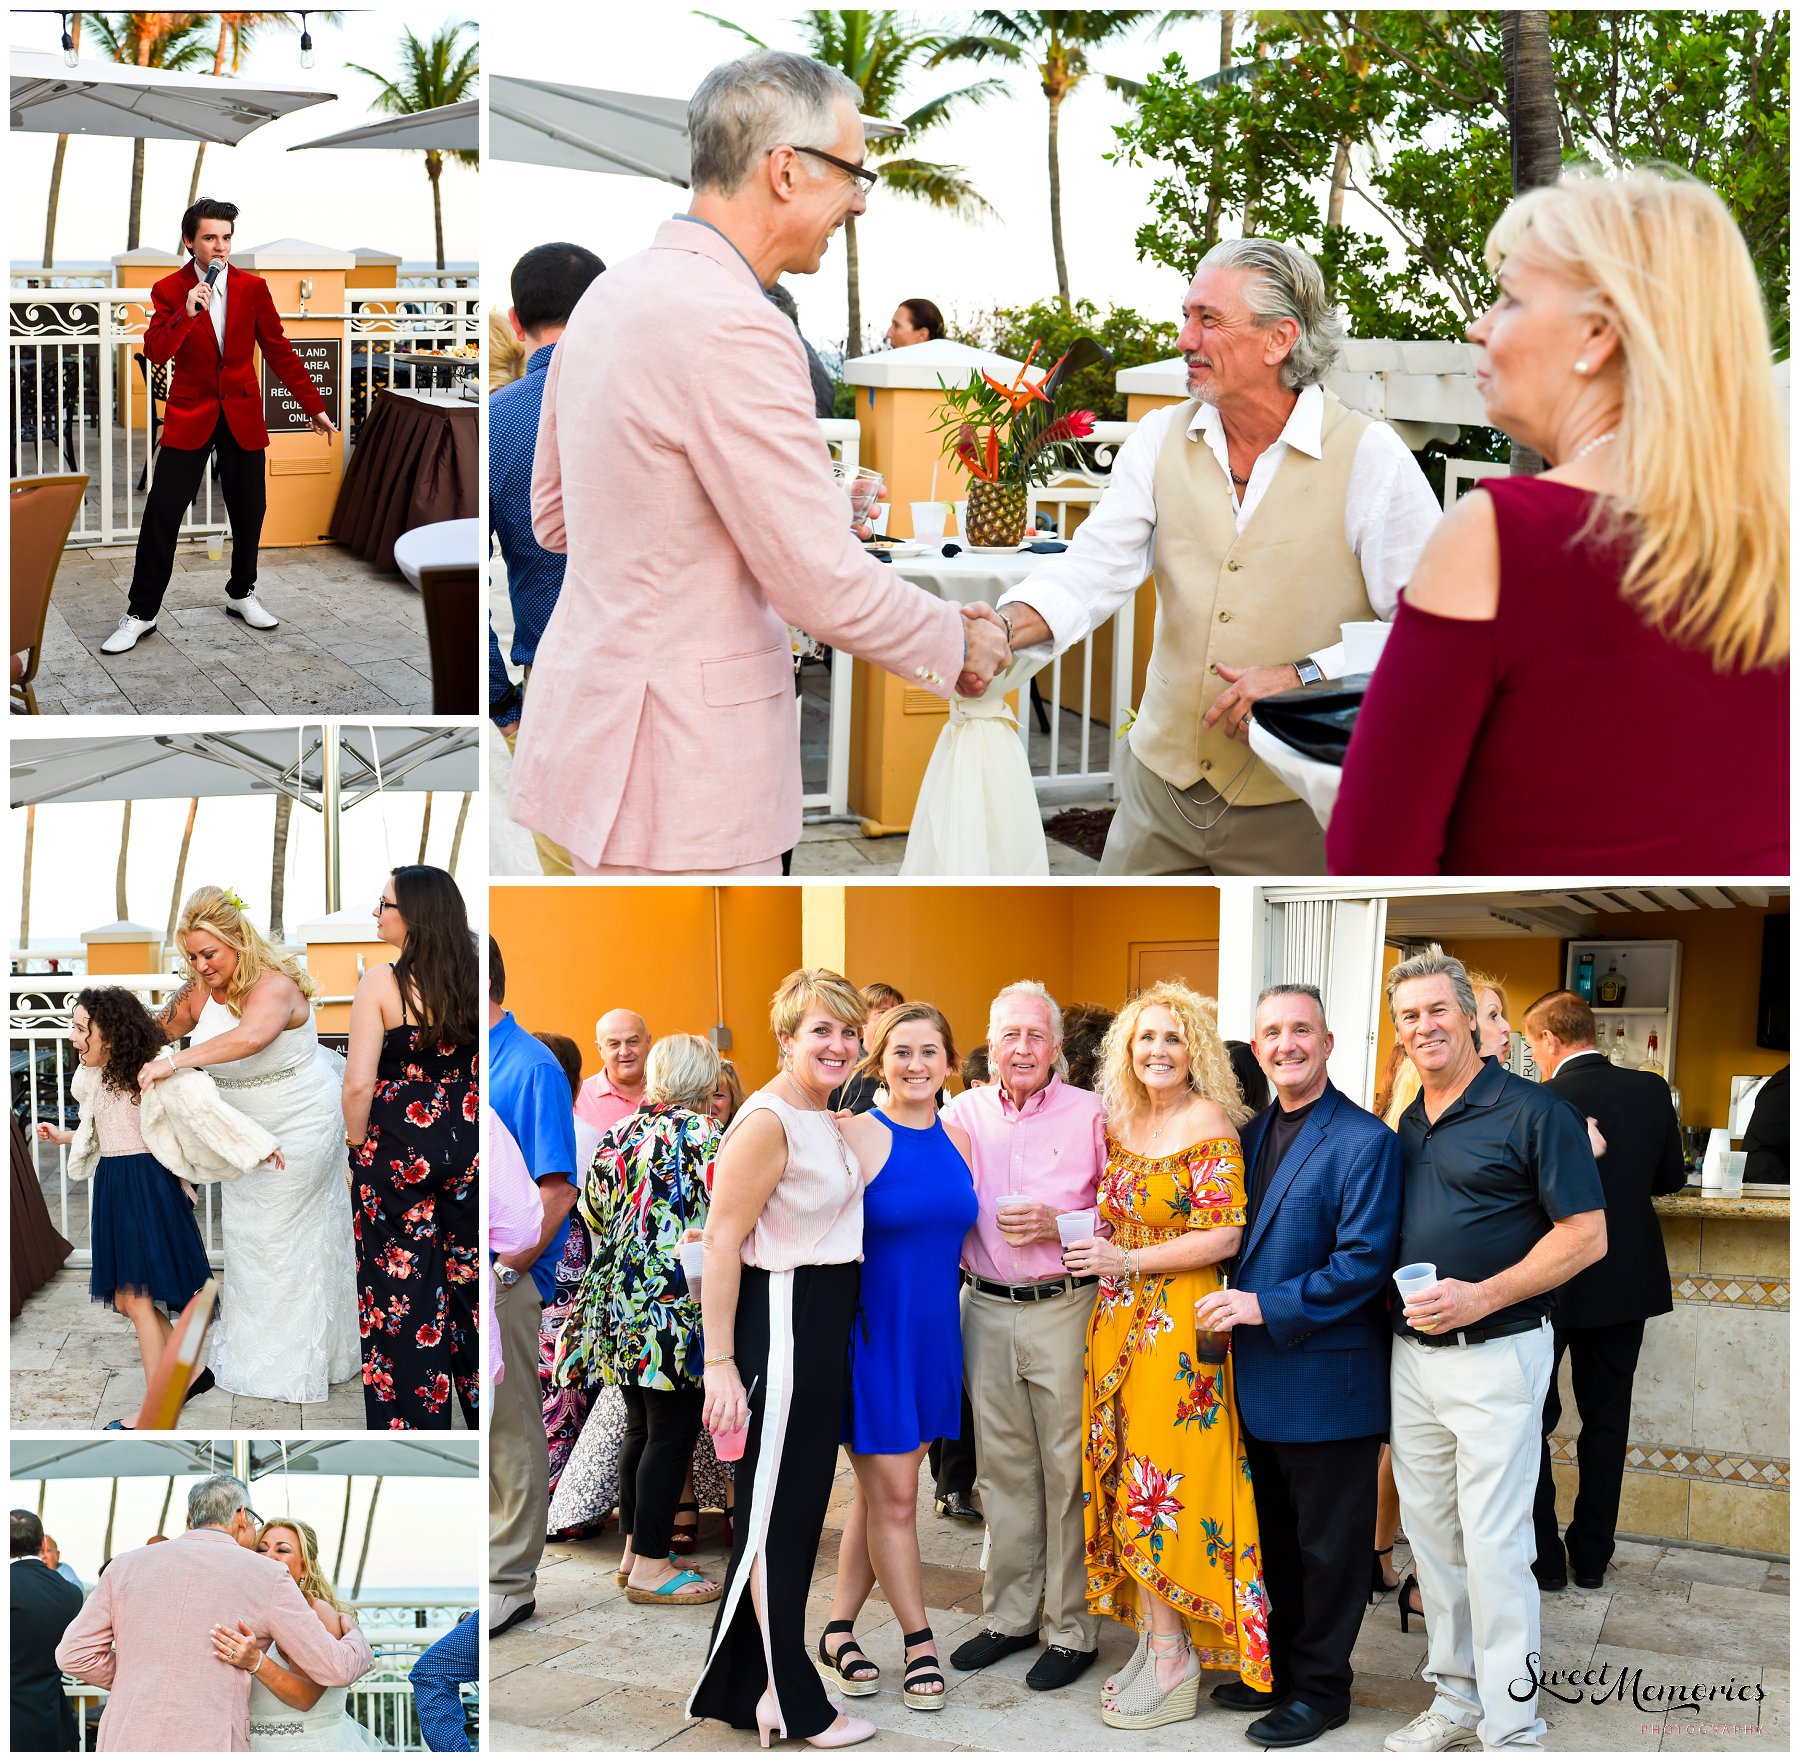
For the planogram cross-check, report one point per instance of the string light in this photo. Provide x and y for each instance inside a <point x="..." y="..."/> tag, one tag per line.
<point x="306" y="43"/>
<point x="70" y="58"/>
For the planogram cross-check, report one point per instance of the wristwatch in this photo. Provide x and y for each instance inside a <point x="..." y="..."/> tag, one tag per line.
<point x="1309" y="670"/>
<point x="507" y="1275"/>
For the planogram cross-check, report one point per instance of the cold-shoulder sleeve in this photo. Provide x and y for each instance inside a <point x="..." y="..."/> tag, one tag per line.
<point x="1215" y="1184"/>
<point x="1418" y="726"/>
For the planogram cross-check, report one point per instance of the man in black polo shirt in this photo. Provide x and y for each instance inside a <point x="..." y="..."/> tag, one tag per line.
<point x="1502" y="1196"/>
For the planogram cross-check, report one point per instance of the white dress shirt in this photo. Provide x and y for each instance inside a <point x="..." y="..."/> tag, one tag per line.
<point x="1389" y="512"/>
<point x="216" y="311"/>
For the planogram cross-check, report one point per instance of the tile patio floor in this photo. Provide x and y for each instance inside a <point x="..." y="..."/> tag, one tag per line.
<point x="593" y="1672"/>
<point x="352" y="640"/>
<point x="75" y="1366"/>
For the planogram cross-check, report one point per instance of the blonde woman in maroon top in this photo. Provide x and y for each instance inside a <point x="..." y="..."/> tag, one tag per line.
<point x="1588" y="671"/>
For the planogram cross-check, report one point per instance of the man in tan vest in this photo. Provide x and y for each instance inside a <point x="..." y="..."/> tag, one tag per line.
<point x="1271" y="513"/>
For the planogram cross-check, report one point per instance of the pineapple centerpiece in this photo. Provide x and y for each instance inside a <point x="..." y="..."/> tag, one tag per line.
<point x="1009" y="438"/>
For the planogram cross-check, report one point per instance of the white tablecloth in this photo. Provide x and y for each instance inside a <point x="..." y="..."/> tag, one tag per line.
<point x="1314" y="781"/>
<point x="448" y="399"/>
<point x="966" y="578"/>
<point x="443" y="544"/>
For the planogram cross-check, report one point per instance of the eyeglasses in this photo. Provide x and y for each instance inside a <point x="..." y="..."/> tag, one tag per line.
<point x="863" y="175"/>
<point x="257" y="1521"/>
<point x="386" y="905"/>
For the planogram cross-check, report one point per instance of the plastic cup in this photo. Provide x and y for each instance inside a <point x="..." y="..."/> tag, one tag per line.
<point x="215" y="547"/>
<point x="1210" y="1344"/>
<point x="1075" y="1226"/>
<point x="729" y="1446"/>
<point x="1363" y="643"/>
<point x="1731" y="1177"/>
<point x="1411" y="1280"/>
<point x="693" y="1258"/>
<point x="928" y="520"/>
<point x="962" y="520"/>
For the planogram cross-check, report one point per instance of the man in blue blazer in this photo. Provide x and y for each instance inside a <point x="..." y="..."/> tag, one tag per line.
<point x="1310" y="1337"/>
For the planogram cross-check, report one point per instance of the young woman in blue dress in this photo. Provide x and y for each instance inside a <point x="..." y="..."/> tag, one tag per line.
<point x="906" y="1350"/>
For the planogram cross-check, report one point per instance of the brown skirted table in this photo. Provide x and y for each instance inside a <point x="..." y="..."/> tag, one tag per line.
<point x="417" y="461"/>
<point x="38" y="1250"/>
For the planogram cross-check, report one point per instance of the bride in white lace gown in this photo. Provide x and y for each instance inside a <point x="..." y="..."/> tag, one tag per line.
<point x="287" y="1326"/>
<point x="287" y="1711"/>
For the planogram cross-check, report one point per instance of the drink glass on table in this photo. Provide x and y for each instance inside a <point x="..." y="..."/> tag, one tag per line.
<point x="928" y="521"/>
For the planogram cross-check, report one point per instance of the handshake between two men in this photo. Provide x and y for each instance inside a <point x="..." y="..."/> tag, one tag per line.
<point x="986" y="651"/>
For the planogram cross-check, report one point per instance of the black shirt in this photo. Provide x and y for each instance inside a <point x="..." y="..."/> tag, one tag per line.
<point x="1483" y="1186"/>
<point x="1277" y="1139"/>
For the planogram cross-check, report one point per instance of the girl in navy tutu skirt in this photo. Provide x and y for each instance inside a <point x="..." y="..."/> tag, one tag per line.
<point x="149" y="1259"/>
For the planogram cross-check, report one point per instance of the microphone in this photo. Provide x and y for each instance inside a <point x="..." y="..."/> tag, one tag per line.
<point x="212" y="272"/>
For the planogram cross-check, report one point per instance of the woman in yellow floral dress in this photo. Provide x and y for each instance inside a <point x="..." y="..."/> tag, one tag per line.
<point x="1170" y="1520"/>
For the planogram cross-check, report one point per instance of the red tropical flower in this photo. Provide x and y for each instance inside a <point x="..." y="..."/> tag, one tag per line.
<point x="429" y="1334"/>
<point x="418" y="1114"/>
<point x="1150" y="1500"/>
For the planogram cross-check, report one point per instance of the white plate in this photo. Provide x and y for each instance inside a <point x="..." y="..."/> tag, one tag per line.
<point x="1024" y="544"/>
<point x="905" y="548"/>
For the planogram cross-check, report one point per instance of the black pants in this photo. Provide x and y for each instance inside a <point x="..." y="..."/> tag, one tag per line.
<point x="1315" y="1511"/>
<point x="661" y="1428"/>
<point x="953" y="1459"/>
<point x="179" y="474"/>
<point x="1602" y="1364"/>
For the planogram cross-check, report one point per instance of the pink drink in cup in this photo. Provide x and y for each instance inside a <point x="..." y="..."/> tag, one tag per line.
<point x="729" y="1446"/>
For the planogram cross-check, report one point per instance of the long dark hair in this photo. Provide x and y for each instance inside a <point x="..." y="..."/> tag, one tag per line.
<point x="131" y="1036"/>
<point x="437" y="964"/>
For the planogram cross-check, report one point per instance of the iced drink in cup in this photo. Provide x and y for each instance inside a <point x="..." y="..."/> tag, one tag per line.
<point x="729" y="1446"/>
<point x="1211" y="1344"/>
<point x="1411" y="1280"/>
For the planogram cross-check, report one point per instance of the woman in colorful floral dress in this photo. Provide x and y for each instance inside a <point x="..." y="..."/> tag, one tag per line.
<point x="634" y="1323"/>
<point x="1170" y="1520"/>
<point x="411" y="1121"/>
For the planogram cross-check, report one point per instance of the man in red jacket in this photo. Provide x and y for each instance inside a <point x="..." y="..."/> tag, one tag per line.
<point x="208" y="320"/>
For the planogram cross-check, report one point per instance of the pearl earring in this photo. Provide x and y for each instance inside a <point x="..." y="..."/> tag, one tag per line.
<point x="1581" y="366"/>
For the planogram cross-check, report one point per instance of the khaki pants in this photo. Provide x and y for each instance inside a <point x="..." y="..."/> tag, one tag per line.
<point x="518" y="1451"/>
<point x="551" y="856"/>
<point x="1025" y="1365"/>
<point x="1151" y="836"/>
<point x="1465" y="1449"/>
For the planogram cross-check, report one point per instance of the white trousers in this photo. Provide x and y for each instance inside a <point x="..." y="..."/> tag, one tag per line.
<point x="1467" y="1427"/>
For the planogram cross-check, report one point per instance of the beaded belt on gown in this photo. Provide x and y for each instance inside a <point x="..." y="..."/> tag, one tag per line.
<point x="258" y="1082"/>
<point x="276" y="1728"/>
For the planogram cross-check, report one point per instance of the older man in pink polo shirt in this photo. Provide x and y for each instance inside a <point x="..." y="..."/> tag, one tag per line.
<point x="616" y="1090"/>
<point x="1039" y="1149"/>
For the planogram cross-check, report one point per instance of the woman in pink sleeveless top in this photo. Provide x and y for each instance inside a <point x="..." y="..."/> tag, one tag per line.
<point x="1588" y="673"/>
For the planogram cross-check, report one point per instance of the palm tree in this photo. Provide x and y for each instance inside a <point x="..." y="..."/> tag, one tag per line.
<point x="237" y="33"/>
<point x="1534" y="125"/>
<point x="431" y="75"/>
<point x="170" y="41"/>
<point x="284" y="817"/>
<point x="56" y="167"/>
<point x="877" y="53"/>
<point x="187" y="839"/>
<point x="1057" y="45"/>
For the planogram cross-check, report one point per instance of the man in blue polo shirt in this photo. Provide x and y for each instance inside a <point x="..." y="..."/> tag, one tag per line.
<point x="546" y="283"/>
<point x="1500" y="1194"/>
<point x="528" y="1091"/>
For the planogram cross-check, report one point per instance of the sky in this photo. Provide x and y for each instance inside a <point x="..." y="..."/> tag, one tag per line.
<point x="281" y="194"/>
<point x="906" y="248"/>
<point x="428" y="1532"/>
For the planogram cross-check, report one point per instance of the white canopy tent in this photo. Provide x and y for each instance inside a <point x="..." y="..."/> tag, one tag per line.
<point x="249" y="1459"/>
<point x="451" y="128"/>
<point x="143" y="103"/>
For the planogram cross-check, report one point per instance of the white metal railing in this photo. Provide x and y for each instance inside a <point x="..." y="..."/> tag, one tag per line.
<point x="62" y="278"/>
<point x="843" y="436"/>
<point x="42" y="1061"/>
<point x="79" y="386"/>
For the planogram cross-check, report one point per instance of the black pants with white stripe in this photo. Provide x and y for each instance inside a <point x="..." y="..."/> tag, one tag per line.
<point x="793" y="1338"/>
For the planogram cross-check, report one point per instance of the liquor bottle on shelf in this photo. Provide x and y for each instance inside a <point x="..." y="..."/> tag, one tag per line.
<point x="1612" y="988"/>
<point x="1584" y="978"/>
<point x="1618" y="1053"/>
<point x="1651" y="1061"/>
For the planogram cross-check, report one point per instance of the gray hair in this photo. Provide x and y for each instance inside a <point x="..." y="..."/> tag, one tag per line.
<point x="683" y="1069"/>
<point x="1294" y="990"/>
<point x="1427" y="965"/>
<point x="1038" y="993"/>
<point x="1284" y="282"/>
<point x="743" y="108"/>
<point x="212" y="1503"/>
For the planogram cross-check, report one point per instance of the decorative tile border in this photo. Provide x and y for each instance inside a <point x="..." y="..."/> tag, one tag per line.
<point x="1695" y="1464"/>
<point x="1714" y="1288"/>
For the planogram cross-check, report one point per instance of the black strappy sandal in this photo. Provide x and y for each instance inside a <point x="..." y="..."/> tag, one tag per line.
<point x="833" y="1664"/>
<point x="922" y="1669"/>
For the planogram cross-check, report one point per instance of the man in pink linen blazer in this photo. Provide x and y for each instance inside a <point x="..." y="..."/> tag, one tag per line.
<point x="680" y="466"/>
<point x="145" y="1634"/>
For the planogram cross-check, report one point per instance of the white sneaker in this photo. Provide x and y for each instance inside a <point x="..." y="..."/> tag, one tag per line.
<point x="127" y="634"/>
<point x="252" y="611"/>
<point x="1432" y="1731"/>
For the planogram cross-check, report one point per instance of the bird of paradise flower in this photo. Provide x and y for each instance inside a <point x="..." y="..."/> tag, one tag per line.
<point x="1201" y="1404"/>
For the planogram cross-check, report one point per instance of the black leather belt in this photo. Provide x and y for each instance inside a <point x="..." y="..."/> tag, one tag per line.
<point x="1477" y="1336"/>
<point x="1034" y="1293"/>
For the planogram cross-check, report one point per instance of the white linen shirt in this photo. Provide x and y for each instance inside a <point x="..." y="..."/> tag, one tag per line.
<point x="216" y="311"/>
<point x="1389" y="512"/>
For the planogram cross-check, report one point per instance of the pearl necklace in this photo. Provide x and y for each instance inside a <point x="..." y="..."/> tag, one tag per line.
<point x="1599" y="440"/>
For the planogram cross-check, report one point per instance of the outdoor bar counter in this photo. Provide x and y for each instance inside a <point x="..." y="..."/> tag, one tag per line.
<point x="1708" y="1455"/>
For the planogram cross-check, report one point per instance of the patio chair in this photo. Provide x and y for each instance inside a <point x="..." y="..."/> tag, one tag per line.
<point x="156" y="384"/>
<point x="43" y="515"/>
<point x="451" y="595"/>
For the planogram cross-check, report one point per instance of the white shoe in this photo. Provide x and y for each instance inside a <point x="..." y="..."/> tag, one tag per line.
<point x="508" y="1610"/>
<point x="127" y="634"/>
<point x="1432" y="1731"/>
<point x="251" y="610"/>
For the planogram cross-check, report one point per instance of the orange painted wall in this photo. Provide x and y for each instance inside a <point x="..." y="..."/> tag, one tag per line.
<point x="1109" y="919"/>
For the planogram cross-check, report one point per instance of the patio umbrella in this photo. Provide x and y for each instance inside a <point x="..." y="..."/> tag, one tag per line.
<point x="328" y="767"/>
<point x="129" y="1457"/>
<point x="142" y="103"/>
<point x="579" y="128"/>
<point x="451" y="128"/>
